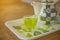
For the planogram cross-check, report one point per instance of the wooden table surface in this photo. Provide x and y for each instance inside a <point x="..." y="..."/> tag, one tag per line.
<point x="15" y="11"/>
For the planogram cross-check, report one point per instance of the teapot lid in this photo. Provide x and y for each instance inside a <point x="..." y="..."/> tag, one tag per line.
<point x="49" y="1"/>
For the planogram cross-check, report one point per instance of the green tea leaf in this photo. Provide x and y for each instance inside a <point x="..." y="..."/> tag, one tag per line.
<point x="17" y="27"/>
<point x="43" y="30"/>
<point x="37" y="33"/>
<point x="26" y="30"/>
<point x="58" y="23"/>
<point x="52" y="28"/>
<point x="45" y="27"/>
<point x="20" y="31"/>
<point x="29" y="35"/>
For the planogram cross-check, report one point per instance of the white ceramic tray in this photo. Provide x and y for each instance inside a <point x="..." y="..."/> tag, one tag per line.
<point x="9" y="24"/>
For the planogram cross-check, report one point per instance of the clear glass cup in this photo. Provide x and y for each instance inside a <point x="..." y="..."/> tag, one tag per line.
<point x="30" y="22"/>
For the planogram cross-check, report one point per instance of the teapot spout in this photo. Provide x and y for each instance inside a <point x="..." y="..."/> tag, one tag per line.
<point x="37" y="7"/>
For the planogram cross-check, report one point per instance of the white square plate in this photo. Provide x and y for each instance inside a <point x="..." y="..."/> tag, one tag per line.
<point x="9" y="24"/>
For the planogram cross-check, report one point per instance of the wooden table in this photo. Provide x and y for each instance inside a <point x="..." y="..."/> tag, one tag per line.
<point x="15" y="11"/>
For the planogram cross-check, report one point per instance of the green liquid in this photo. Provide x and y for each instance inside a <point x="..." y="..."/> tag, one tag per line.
<point x="30" y="23"/>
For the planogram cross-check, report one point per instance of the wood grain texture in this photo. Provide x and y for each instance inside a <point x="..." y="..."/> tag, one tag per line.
<point x="14" y="9"/>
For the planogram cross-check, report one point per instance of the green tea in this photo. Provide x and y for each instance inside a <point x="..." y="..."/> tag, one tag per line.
<point x="30" y="23"/>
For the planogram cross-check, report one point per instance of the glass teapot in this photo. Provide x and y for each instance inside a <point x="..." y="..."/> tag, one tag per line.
<point x="45" y="10"/>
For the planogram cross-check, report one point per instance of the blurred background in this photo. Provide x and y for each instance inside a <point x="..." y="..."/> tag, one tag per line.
<point x="14" y="8"/>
